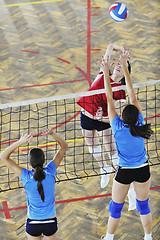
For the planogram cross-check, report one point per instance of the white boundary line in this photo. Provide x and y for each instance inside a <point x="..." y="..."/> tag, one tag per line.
<point x="73" y="95"/>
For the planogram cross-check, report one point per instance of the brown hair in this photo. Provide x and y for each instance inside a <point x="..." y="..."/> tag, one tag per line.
<point x="130" y="116"/>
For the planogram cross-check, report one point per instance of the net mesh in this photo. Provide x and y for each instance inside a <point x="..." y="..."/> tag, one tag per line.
<point x="63" y="114"/>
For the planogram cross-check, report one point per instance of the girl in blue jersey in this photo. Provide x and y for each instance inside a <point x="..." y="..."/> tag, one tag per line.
<point x="39" y="184"/>
<point x="129" y="133"/>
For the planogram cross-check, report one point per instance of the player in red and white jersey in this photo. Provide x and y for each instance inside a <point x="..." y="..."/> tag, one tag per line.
<point x="92" y="104"/>
<point x="95" y="122"/>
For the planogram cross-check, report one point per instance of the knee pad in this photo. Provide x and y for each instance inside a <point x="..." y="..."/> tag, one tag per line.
<point x="115" y="209"/>
<point x="143" y="207"/>
<point x="97" y="151"/>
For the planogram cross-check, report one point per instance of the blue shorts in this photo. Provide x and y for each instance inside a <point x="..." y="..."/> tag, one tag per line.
<point x="91" y="124"/>
<point x="36" y="227"/>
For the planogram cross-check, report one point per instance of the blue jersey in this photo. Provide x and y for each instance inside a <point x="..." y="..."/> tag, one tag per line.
<point x="36" y="208"/>
<point x="131" y="150"/>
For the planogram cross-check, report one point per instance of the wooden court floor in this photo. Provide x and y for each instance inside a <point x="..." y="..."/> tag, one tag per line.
<point x="85" y="213"/>
<point x="50" y="48"/>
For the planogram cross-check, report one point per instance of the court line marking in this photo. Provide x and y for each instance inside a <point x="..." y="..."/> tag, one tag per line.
<point x="44" y="84"/>
<point x="51" y="144"/>
<point x="27" y="51"/>
<point x="155" y="129"/>
<point x="68" y="120"/>
<point x="38" y="2"/>
<point x="63" y="60"/>
<point x="86" y="75"/>
<point x="7" y="210"/>
<point x="74" y="95"/>
<point x="96" y="49"/>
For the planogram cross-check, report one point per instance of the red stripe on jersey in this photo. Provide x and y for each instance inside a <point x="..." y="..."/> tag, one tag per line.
<point x="92" y="103"/>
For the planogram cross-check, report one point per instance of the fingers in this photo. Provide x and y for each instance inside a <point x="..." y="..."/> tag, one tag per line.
<point x="26" y="138"/>
<point x="124" y="55"/>
<point x="47" y="132"/>
<point x="44" y="133"/>
<point x="103" y="62"/>
<point x="99" y="64"/>
<point x="116" y="60"/>
<point x="127" y="53"/>
<point x="25" y="135"/>
<point x="29" y="138"/>
<point x="122" y="49"/>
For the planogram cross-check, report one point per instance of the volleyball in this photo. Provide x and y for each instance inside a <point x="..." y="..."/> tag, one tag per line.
<point x="118" y="11"/>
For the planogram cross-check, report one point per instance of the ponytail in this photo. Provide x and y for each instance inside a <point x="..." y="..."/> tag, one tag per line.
<point x="144" y="131"/>
<point x="39" y="176"/>
<point x="130" y="116"/>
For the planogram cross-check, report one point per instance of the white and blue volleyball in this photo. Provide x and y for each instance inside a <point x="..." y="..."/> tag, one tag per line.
<point x="118" y="11"/>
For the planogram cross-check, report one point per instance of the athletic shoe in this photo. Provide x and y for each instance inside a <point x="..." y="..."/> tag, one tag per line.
<point x="148" y="236"/>
<point x="106" y="177"/>
<point x="103" y="237"/>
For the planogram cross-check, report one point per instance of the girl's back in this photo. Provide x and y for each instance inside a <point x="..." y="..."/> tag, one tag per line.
<point x="131" y="150"/>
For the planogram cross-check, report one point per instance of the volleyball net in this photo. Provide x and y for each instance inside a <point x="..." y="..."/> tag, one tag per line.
<point x="62" y="113"/>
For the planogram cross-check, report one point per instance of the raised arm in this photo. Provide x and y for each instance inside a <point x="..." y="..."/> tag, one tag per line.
<point x="112" y="47"/>
<point x="105" y="66"/>
<point x="124" y="56"/>
<point x="63" y="146"/>
<point x="5" y="155"/>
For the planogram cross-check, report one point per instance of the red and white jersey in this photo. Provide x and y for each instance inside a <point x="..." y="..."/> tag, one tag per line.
<point x="92" y="103"/>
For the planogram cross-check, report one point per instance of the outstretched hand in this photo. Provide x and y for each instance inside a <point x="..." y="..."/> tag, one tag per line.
<point x="105" y="65"/>
<point x="124" y="56"/>
<point x="25" y="138"/>
<point x="47" y="132"/>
